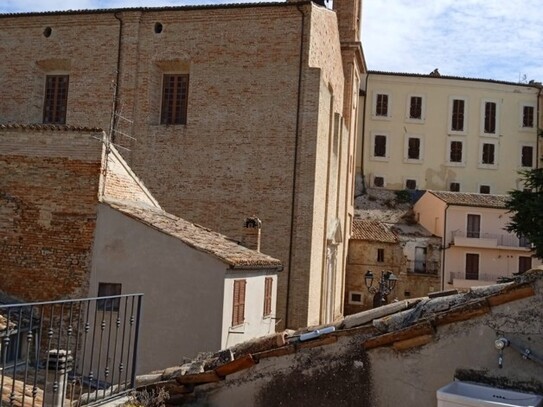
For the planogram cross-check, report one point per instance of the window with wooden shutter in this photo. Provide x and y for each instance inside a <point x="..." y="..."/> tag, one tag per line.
<point x="268" y="286"/>
<point x="472" y="266"/>
<point x="56" y="99"/>
<point x="238" y="309"/>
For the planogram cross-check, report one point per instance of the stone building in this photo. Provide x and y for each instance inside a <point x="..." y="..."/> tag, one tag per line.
<point x="224" y="112"/>
<point x="447" y="133"/>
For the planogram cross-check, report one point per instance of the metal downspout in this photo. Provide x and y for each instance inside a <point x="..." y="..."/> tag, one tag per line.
<point x="444" y="249"/>
<point x="364" y="136"/>
<point x="297" y="136"/>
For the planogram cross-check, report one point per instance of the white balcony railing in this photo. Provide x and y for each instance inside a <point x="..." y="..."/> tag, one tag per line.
<point x="477" y="239"/>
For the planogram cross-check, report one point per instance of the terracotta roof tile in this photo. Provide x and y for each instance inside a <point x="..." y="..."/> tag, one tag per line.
<point x="372" y="230"/>
<point x="469" y="199"/>
<point x="199" y="237"/>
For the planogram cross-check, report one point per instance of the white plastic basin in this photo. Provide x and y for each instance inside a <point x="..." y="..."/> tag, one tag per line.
<point x="470" y="394"/>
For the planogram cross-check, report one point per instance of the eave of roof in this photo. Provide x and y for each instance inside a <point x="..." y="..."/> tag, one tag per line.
<point x="48" y="127"/>
<point x="459" y="78"/>
<point x="472" y="199"/>
<point x="156" y="9"/>
<point x="371" y="230"/>
<point x="232" y="253"/>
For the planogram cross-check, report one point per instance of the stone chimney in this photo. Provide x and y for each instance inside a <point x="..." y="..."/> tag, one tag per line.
<point x="250" y="236"/>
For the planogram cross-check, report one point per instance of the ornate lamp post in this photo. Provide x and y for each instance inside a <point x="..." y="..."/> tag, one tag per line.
<point x="384" y="286"/>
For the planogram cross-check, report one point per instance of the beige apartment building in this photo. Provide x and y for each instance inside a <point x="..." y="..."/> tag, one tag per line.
<point x="223" y="111"/>
<point x="447" y="133"/>
<point x="476" y="249"/>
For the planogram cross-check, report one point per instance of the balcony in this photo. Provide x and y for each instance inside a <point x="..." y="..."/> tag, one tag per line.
<point x="423" y="267"/>
<point x="464" y="280"/>
<point x="489" y="240"/>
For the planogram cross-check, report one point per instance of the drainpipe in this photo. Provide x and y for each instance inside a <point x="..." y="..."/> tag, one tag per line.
<point x="444" y="249"/>
<point x="364" y="136"/>
<point x="297" y="136"/>
<point x="537" y="129"/>
<point x="117" y="79"/>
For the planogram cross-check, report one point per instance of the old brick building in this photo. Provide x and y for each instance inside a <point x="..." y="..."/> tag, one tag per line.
<point x="234" y="111"/>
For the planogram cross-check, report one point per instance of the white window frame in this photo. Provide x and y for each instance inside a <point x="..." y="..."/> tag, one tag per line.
<point x="496" y="145"/>
<point x="534" y="157"/>
<point x="497" y="124"/>
<point x="406" y="158"/>
<point x="408" y="109"/>
<point x="387" y="152"/>
<point x="374" y="105"/>
<point x="521" y="116"/>
<point x="448" y="156"/>
<point x="356" y="302"/>
<point x="464" y="131"/>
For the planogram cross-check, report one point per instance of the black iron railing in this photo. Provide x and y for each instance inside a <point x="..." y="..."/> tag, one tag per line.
<point x="68" y="352"/>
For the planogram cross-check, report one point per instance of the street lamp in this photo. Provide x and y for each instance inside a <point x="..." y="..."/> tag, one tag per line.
<point x="384" y="286"/>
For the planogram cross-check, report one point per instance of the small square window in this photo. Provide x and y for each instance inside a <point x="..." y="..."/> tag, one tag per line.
<point x="356" y="297"/>
<point x="380" y="255"/>
<point x="454" y="187"/>
<point x="378" y="182"/>
<point x="411" y="184"/>
<point x="484" y="189"/>
<point x="108" y="290"/>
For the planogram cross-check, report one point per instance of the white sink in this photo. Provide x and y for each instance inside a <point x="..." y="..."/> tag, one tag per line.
<point x="470" y="394"/>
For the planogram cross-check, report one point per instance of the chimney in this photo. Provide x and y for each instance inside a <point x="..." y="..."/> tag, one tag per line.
<point x="250" y="237"/>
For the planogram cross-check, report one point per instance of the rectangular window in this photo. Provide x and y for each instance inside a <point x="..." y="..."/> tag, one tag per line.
<point x="527" y="116"/>
<point x="107" y="290"/>
<point x="410" y="184"/>
<point x="527" y="156"/>
<point x="484" y="189"/>
<point x="454" y="187"/>
<point x="490" y="117"/>
<point x="455" y="153"/>
<point x="472" y="266"/>
<point x="415" y="107"/>
<point x="355" y="297"/>
<point x="378" y="182"/>
<point x="457" y="117"/>
<point x="381" y="105"/>
<point x="380" y="255"/>
<point x="524" y="263"/>
<point x="488" y="153"/>
<point x="380" y="146"/>
<point x="238" y="308"/>
<point x="56" y="99"/>
<point x="413" y="148"/>
<point x="474" y="226"/>
<point x="174" y="99"/>
<point x="268" y="291"/>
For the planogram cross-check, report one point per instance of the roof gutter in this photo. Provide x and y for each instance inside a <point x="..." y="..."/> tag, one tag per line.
<point x="538" y="134"/>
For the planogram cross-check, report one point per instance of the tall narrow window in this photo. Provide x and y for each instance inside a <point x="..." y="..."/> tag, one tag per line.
<point x="472" y="266"/>
<point x="524" y="263"/>
<point x="415" y="107"/>
<point x="488" y="153"/>
<point x="490" y="117"/>
<point x="381" y="105"/>
<point x="174" y="99"/>
<point x="107" y="290"/>
<point x="457" y="117"/>
<point x="268" y="290"/>
<point x="413" y="148"/>
<point x="455" y="153"/>
<point x="527" y="116"/>
<point x="474" y="226"/>
<point x="380" y="255"/>
<point x="238" y="308"/>
<point x="56" y="99"/>
<point x="380" y="146"/>
<point x="527" y="156"/>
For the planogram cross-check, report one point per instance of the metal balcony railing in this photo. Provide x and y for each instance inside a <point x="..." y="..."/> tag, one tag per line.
<point x="506" y="239"/>
<point x="465" y="275"/>
<point x="423" y="267"/>
<point x="71" y="352"/>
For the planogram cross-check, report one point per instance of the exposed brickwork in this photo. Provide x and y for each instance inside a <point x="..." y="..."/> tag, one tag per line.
<point x="251" y="139"/>
<point x="48" y="198"/>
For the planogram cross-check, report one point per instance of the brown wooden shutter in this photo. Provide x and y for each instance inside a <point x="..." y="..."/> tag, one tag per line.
<point x="268" y="289"/>
<point x="238" y="309"/>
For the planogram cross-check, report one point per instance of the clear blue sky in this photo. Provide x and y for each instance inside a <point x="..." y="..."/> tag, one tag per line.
<point x="476" y="38"/>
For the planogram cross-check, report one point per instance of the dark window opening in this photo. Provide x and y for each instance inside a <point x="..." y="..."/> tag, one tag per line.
<point x="454" y="187"/>
<point x="457" y="122"/>
<point x="378" y="182"/>
<point x="380" y="255"/>
<point x="524" y="264"/>
<point x="484" y="189"/>
<point x="56" y="99"/>
<point x="411" y="184"/>
<point x="415" y="108"/>
<point x="472" y="266"/>
<point x="356" y="297"/>
<point x="413" y="148"/>
<point x="455" y="154"/>
<point x="381" y="107"/>
<point x="528" y="116"/>
<point x="174" y="99"/>
<point x="527" y="158"/>
<point x="158" y="28"/>
<point x="490" y="117"/>
<point x="107" y="290"/>
<point x="474" y="226"/>
<point x="488" y="153"/>
<point x="380" y="146"/>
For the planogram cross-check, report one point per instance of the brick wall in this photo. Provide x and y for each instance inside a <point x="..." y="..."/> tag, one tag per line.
<point x="48" y="198"/>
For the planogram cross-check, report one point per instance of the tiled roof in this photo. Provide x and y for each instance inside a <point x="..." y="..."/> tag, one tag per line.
<point x="155" y="9"/>
<point x="469" y="199"/>
<point x="461" y="78"/>
<point x="199" y="237"/>
<point x="372" y="230"/>
<point x="52" y="127"/>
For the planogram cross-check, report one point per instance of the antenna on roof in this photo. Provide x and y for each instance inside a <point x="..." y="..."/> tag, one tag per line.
<point x="119" y="125"/>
